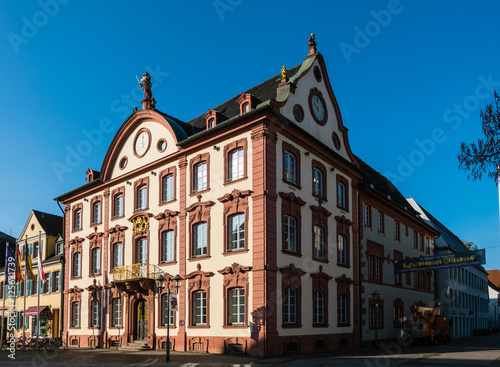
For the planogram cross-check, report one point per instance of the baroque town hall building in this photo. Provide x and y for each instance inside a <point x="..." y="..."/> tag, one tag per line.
<point x="255" y="204"/>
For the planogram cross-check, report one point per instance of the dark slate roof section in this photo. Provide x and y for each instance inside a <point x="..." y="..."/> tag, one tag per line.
<point x="384" y="187"/>
<point x="51" y="224"/>
<point x="181" y="129"/>
<point x="448" y="236"/>
<point x="263" y="92"/>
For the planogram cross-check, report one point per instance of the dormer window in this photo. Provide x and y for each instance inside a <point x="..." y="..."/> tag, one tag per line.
<point x="213" y="118"/>
<point x="247" y="102"/>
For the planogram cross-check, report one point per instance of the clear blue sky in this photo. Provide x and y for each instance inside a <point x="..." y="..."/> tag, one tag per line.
<point x="404" y="73"/>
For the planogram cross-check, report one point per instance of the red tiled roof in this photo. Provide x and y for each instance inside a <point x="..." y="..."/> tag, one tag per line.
<point x="494" y="277"/>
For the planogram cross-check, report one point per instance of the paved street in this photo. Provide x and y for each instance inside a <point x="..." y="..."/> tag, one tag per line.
<point x="478" y="351"/>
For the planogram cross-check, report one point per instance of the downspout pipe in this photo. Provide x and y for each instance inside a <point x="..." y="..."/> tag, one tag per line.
<point x="362" y="187"/>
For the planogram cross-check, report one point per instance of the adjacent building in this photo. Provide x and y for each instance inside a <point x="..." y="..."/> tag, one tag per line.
<point x="462" y="292"/>
<point x="41" y="229"/>
<point x="494" y="292"/>
<point x="390" y="230"/>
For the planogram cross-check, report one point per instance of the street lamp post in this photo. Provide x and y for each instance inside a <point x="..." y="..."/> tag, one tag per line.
<point x="376" y="296"/>
<point x="160" y="280"/>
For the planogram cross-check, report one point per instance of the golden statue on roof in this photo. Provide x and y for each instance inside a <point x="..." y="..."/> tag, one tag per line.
<point x="284" y="72"/>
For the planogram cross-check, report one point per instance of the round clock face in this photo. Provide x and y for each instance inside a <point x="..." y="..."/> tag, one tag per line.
<point x="142" y="143"/>
<point x="318" y="108"/>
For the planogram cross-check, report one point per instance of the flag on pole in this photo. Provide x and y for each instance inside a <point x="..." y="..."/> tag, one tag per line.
<point x="20" y="275"/>
<point x="41" y="274"/>
<point x="8" y="254"/>
<point x="29" y="267"/>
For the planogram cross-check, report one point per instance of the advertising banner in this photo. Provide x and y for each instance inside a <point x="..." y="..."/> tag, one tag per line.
<point x="476" y="257"/>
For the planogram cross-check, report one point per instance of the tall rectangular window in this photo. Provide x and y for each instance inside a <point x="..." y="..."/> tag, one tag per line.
<point x="342" y="249"/>
<point x="116" y="321"/>
<point x="200" y="239"/>
<point x="200" y="177"/>
<point x="75" y="314"/>
<point x="236" y="165"/>
<point x="96" y="213"/>
<point x="290" y="168"/>
<point x="375" y="316"/>
<point x="94" y="305"/>
<point x="319" y="307"/>
<point x="167" y="317"/>
<point x="236" y="306"/>
<point x="167" y="246"/>
<point x="370" y="267"/>
<point x="290" y="228"/>
<point x="142" y="251"/>
<point x="381" y="222"/>
<point x="142" y="197"/>
<point x="377" y="268"/>
<point x="236" y="232"/>
<point x="199" y="308"/>
<point x="118" y="206"/>
<point x="342" y="308"/>
<point x="167" y="188"/>
<point x="96" y="261"/>
<point x="319" y="242"/>
<point x="77" y="219"/>
<point x="117" y="255"/>
<point x="396" y="230"/>
<point x="56" y="287"/>
<point x="317" y="182"/>
<point x="368" y="216"/>
<point x="77" y="271"/>
<point x="341" y="192"/>
<point x="415" y="240"/>
<point x="290" y="316"/>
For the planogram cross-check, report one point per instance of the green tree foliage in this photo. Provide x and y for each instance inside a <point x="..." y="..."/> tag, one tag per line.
<point x="470" y="245"/>
<point x="482" y="157"/>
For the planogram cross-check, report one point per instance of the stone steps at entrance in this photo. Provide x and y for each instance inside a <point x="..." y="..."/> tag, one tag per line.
<point x="135" y="346"/>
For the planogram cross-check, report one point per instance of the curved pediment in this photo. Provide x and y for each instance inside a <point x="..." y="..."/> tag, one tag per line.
<point x="310" y="92"/>
<point x="146" y="136"/>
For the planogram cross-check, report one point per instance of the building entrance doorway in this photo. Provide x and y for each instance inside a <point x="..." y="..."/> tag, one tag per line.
<point x="141" y="313"/>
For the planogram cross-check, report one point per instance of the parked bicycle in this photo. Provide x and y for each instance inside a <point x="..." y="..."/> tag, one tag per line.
<point x="43" y="343"/>
<point x="23" y="343"/>
<point x="58" y="343"/>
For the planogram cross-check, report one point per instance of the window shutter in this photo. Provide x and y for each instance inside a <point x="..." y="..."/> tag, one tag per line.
<point x="60" y="281"/>
<point x="40" y="285"/>
<point x="50" y="282"/>
<point x="18" y="319"/>
<point x="28" y="287"/>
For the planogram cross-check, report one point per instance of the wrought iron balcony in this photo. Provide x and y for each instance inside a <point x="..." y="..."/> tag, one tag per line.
<point x="135" y="271"/>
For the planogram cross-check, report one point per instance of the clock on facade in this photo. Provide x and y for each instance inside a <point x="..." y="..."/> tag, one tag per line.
<point x="317" y="106"/>
<point x="142" y="142"/>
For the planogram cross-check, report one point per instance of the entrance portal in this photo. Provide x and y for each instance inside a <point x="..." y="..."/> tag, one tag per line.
<point x="141" y="332"/>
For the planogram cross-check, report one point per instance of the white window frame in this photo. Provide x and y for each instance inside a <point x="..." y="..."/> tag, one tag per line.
<point x="319" y="242"/>
<point x="199" y="308"/>
<point x="118" y="206"/>
<point x="96" y="212"/>
<point x="341" y="192"/>
<point x="200" y="246"/>
<point x="236" y="164"/>
<point x="342" y="249"/>
<point x="342" y="308"/>
<point x="117" y="312"/>
<point x="75" y="314"/>
<point x="236" y="235"/>
<point x="319" y="307"/>
<point x="96" y="317"/>
<point x="117" y="255"/>
<point x="290" y="315"/>
<point x="96" y="261"/>
<point x="200" y="177"/>
<point x="167" y="246"/>
<point x="142" y="197"/>
<point x="164" y="318"/>
<point x="318" y="189"/>
<point x="236" y="307"/>
<point x="167" y="188"/>
<point x="290" y="167"/>
<point x="290" y="228"/>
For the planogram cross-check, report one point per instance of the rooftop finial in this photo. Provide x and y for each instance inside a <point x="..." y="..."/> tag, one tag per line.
<point x="312" y="45"/>
<point x="284" y="76"/>
<point x="148" y="103"/>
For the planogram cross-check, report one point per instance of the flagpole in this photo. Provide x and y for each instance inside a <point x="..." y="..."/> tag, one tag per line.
<point x="38" y="285"/>
<point x="25" y="289"/>
<point x="15" y="275"/>
<point x="5" y="282"/>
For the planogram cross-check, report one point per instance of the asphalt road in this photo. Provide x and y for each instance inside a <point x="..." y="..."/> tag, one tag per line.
<point x="476" y="351"/>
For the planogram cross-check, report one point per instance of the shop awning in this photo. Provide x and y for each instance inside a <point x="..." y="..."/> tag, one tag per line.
<point x="33" y="310"/>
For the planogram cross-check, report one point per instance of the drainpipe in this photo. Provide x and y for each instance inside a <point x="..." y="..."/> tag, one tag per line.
<point x="61" y="279"/>
<point x="364" y="185"/>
